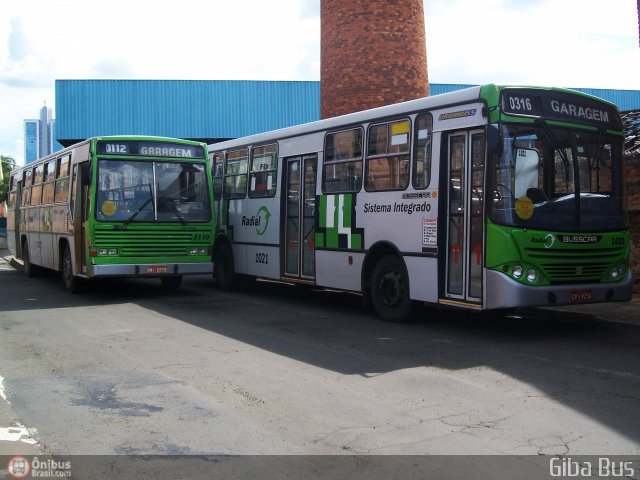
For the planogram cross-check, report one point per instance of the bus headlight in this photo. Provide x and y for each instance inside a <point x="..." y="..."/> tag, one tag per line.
<point x="102" y="251"/>
<point x="618" y="271"/>
<point x="532" y="275"/>
<point x="113" y="251"/>
<point x="198" y="251"/>
<point x="517" y="271"/>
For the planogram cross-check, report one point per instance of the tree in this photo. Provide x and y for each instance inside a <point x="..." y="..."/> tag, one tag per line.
<point x="8" y="164"/>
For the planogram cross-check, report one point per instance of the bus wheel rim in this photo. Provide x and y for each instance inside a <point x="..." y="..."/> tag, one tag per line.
<point x="67" y="267"/>
<point x="391" y="288"/>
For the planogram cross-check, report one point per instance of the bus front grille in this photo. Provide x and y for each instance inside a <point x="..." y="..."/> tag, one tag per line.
<point x="584" y="265"/>
<point x="140" y="243"/>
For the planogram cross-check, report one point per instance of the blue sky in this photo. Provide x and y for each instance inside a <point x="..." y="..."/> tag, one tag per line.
<point x="569" y="43"/>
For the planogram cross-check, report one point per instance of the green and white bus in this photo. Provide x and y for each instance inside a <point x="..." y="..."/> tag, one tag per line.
<point x="491" y="197"/>
<point x="117" y="206"/>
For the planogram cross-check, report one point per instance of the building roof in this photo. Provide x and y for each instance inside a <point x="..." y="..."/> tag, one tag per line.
<point x="195" y="109"/>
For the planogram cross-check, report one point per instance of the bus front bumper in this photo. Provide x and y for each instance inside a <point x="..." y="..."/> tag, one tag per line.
<point x="151" y="269"/>
<point x="505" y="292"/>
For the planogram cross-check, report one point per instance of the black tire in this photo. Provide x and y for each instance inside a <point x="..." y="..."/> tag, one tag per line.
<point x="29" y="268"/>
<point x="72" y="284"/>
<point x="224" y="269"/>
<point x="390" y="289"/>
<point x="171" y="283"/>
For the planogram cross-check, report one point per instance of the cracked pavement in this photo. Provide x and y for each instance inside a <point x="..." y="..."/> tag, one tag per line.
<point x="128" y="369"/>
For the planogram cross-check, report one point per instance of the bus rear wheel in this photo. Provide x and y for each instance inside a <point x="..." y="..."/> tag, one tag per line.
<point x="390" y="289"/>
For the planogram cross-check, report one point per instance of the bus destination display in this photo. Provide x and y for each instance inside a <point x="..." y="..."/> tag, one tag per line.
<point x="149" y="149"/>
<point x="556" y="106"/>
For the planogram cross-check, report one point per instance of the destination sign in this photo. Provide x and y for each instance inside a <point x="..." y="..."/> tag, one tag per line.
<point x="559" y="106"/>
<point x="149" y="149"/>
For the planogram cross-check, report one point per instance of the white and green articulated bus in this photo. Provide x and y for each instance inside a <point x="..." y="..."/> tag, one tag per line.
<point x="491" y="197"/>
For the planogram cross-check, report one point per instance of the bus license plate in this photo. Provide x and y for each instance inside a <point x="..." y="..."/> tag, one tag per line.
<point x="580" y="296"/>
<point x="157" y="269"/>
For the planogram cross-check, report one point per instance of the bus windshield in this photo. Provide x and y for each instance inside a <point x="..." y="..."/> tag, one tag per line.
<point x="556" y="178"/>
<point x="144" y="191"/>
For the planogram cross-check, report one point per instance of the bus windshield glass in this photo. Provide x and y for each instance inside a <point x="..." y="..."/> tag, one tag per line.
<point x="556" y="178"/>
<point x="144" y="191"/>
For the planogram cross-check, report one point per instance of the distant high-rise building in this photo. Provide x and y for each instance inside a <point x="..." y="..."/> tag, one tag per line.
<point x="39" y="136"/>
<point x="31" y="140"/>
<point x="45" y="130"/>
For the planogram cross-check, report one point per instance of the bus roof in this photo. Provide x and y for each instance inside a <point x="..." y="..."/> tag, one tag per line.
<point x="488" y="92"/>
<point x="435" y="101"/>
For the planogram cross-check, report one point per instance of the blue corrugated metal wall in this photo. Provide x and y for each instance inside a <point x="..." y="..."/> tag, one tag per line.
<point x="177" y="108"/>
<point x="208" y="108"/>
<point x="624" y="99"/>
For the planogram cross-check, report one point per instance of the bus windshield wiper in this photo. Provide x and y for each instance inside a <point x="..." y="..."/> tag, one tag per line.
<point x="166" y="201"/>
<point x="138" y="210"/>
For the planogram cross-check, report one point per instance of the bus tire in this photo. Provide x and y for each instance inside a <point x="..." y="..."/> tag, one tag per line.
<point x="29" y="268"/>
<point x="71" y="282"/>
<point x="171" y="283"/>
<point x="224" y="269"/>
<point x="390" y="289"/>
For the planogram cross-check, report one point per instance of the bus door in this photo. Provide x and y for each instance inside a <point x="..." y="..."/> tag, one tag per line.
<point x="17" y="215"/>
<point x="465" y="220"/>
<point x="79" y="208"/>
<point x="298" y="249"/>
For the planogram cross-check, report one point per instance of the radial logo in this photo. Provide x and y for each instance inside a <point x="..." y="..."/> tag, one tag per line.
<point x="546" y="241"/>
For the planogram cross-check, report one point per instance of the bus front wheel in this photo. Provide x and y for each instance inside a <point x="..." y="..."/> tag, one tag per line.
<point x="71" y="282"/>
<point x="390" y="289"/>
<point x="29" y="268"/>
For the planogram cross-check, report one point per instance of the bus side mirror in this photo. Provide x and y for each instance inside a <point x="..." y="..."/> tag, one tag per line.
<point x="494" y="140"/>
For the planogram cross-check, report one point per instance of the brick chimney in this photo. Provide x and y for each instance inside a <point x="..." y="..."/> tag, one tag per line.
<point x="373" y="53"/>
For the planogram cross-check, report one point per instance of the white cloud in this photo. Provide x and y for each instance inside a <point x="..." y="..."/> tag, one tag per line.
<point x="560" y="43"/>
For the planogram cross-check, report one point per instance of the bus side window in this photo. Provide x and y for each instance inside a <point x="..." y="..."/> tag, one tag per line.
<point x="13" y="186"/>
<point x="217" y="163"/>
<point x="264" y="165"/>
<point x="235" y="179"/>
<point x="49" y="182"/>
<point x="388" y="156"/>
<point x="26" y="190"/>
<point x="422" y="151"/>
<point x="342" y="170"/>
<point x="36" y="190"/>
<point x="61" y="193"/>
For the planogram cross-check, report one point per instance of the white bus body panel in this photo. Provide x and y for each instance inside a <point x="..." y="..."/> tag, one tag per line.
<point x="407" y="220"/>
<point x="423" y="278"/>
<point x="334" y="271"/>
